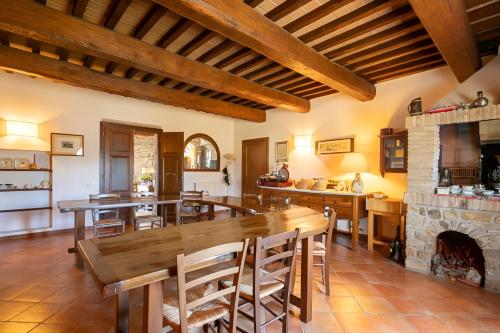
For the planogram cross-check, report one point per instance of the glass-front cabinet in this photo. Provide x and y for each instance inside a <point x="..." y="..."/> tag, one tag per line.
<point x="394" y="152"/>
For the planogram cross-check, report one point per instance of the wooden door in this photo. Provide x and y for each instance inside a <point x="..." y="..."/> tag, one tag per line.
<point x="255" y="162"/>
<point x="117" y="159"/>
<point x="171" y="157"/>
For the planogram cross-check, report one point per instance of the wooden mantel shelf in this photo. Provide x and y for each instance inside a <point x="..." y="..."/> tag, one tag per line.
<point x="454" y="117"/>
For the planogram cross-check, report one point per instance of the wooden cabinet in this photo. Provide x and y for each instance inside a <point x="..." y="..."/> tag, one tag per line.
<point x="347" y="206"/>
<point x="394" y="152"/>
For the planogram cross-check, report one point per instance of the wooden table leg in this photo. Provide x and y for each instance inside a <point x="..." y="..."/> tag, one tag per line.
<point x="306" y="285"/>
<point x="355" y="222"/>
<point x="211" y="212"/>
<point x="371" y="227"/>
<point x="79" y="235"/>
<point x="153" y="308"/>
<point x="122" y="312"/>
<point x="233" y="212"/>
<point x="177" y="214"/>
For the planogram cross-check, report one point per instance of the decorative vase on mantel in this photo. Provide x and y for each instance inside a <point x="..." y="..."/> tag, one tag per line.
<point x="480" y="101"/>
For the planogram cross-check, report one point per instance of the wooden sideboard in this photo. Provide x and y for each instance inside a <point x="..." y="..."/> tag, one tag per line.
<point x="350" y="206"/>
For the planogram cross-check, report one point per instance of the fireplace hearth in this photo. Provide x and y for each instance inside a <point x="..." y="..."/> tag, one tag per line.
<point x="459" y="258"/>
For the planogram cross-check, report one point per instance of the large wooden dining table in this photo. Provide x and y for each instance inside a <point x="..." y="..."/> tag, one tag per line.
<point x="238" y="204"/>
<point x="78" y="207"/>
<point x="144" y="259"/>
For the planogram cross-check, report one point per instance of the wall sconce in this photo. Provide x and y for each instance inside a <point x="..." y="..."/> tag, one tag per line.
<point x="303" y="141"/>
<point x="21" y="128"/>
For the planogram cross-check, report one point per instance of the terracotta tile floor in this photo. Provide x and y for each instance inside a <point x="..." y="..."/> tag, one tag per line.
<point x="42" y="291"/>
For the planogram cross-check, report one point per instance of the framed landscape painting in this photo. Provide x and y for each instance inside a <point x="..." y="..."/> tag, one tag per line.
<point x="66" y="144"/>
<point x="335" y="146"/>
<point x="282" y="151"/>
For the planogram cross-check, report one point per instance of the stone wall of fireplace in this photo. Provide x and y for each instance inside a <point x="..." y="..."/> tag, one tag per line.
<point x="430" y="214"/>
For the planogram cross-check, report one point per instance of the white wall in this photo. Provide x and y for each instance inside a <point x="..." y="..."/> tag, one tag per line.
<point x="340" y="115"/>
<point x="66" y="109"/>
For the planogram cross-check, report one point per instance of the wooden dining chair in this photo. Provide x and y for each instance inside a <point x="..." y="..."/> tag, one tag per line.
<point x="106" y="219"/>
<point x="280" y="203"/>
<point x="198" y="302"/>
<point x="146" y="216"/>
<point x="322" y="248"/>
<point x="190" y="210"/>
<point x="268" y="279"/>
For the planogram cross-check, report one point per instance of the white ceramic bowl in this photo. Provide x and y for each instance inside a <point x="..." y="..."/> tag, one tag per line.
<point x="488" y="192"/>
<point x="467" y="192"/>
<point x="455" y="190"/>
<point x="467" y="187"/>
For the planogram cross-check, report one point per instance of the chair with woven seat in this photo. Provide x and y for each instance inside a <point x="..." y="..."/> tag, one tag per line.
<point x="145" y="217"/>
<point x="196" y="301"/>
<point x="322" y="248"/>
<point x="191" y="210"/>
<point x="267" y="278"/>
<point x="111" y="220"/>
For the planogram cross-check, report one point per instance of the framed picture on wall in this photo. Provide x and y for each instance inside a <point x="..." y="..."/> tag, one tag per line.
<point x="282" y="151"/>
<point x="66" y="144"/>
<point x="335" y="146"/>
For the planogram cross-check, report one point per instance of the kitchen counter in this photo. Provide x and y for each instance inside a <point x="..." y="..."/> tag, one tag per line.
<point x="325" y="192"/>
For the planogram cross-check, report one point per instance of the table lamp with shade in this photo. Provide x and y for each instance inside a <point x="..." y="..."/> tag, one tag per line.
<point x="355" y="162"/>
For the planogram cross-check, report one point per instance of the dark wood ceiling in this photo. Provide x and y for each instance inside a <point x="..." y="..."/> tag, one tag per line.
<point x="377" y="39"/>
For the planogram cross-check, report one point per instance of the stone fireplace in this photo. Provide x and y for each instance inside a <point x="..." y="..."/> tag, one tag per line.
<point x="430" y="214"/>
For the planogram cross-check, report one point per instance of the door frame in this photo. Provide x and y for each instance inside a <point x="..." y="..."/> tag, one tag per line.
<point x="243" y="158"/>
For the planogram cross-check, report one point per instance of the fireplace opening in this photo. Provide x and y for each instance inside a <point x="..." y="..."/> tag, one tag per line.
<point x="459" y="258"/>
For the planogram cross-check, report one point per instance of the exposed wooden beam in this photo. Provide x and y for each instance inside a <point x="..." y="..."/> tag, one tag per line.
<point x="79" y="76"/>
<point x="285" y="8"/>
<point x="457" y="46"/>
<point x="349" y="18"/>
<point x="399" y="14"/>
<point x="316" y="14"/>
<point x="77" y="8"/>
<point x="399" y="30"/>
<point x="50" y="26"/>
<point x="233" y="19"/>
<point x="115" y="12"/>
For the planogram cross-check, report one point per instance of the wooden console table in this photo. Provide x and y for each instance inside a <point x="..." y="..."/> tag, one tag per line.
<point x="347" y="205"/>
<point x="394" y="208"/>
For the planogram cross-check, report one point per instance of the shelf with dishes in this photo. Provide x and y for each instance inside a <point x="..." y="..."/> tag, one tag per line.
<point x="24" y="189"/>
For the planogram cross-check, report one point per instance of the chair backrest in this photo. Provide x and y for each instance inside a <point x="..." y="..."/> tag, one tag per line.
<point x="280" y="202"/>
<point x="110" y="212"/>
<point x="203" y="260"/>
<point x="257" y="197"/>
<point x="278" y="264"/>
<point x="331" y="216"/>
<point x="150" y="209"/>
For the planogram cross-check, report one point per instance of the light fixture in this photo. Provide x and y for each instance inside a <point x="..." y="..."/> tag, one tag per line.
<point x="302" y="141"/>
<point x="355" y="162"/>
<point x="21" y="128"/>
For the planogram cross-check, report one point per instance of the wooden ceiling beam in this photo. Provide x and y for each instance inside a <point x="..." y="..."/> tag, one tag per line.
<point x="485" y="25"/>
<point x="313" y="91"/>
<point x="77" y="9"/>
<point x="80" y="76"/>
<point x="411" y="70"/>
<point x="285" y="8"/>
<point x="316" y="14"/>
<point x="396" y="53"/>
<point x="385" y="47"/>
<point x="343" y="21"/>
<point x="50" y="26"/>
<point x="436" y="58"/>
<point x="402" y="13"/>
<point x="285" y="72"/>
<point x="320" y="94"/>
<point x="115" y="12"/>
<point x="430" y="52"/>
<point x="246" y="26"/>
<point x="458" y="46"/>
<point x="387" y="34"/>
